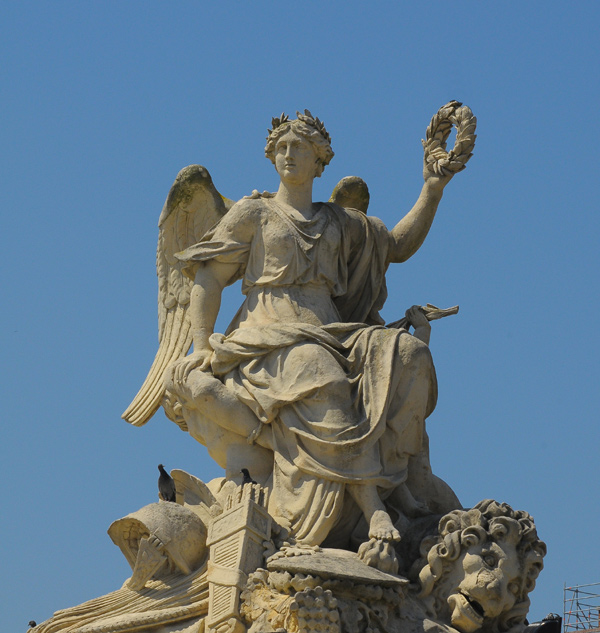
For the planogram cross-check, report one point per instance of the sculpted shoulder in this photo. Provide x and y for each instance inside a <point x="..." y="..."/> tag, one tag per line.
<point x="246" y="212"/>
<point x="347" y="215"/>
<point x="358" y="221"/>
<point x="248" y="206"/>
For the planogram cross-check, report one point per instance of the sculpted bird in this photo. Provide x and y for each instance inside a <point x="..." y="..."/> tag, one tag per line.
<point x="166" y="485"/>
<point x="247" y="479"/>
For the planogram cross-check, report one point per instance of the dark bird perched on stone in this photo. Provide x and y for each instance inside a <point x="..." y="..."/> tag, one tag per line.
<point x="247" y="479"/>
<point x="32" y="623"/>
<point x="166" y="485"/>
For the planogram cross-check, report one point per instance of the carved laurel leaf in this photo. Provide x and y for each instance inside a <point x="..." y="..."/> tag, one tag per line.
<point x="437" y="159"/>
<point x="308" y="118"/>
<point x="277" y="121"/>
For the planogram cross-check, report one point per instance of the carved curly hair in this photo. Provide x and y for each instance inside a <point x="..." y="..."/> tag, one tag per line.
<point x="488" y="520"/>
<point x="304" y="128"/>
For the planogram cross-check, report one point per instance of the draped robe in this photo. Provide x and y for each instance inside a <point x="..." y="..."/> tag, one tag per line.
<point x="308" y="328"/>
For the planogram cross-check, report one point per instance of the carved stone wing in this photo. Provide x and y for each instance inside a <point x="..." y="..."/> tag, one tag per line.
<point x="195" y="494"/>
<point x="192" y="208"/>
<point x="351" y="192"/>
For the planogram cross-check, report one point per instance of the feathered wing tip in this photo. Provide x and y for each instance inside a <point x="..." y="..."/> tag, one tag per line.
<point x="193" y="492"/>
<point x="175" y="342"/>
<point x="192" y="208"/>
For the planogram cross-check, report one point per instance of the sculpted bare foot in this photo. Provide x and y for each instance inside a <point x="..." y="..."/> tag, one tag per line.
<point x="381" y="527"/>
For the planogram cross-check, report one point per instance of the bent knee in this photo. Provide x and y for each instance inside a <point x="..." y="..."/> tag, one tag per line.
<point x="312" y="362"/>
<point x="203" y="386"/>
<point x="414" y="352"/>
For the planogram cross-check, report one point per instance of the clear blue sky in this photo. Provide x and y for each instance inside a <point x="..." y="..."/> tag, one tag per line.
<point x="104" y="102"/>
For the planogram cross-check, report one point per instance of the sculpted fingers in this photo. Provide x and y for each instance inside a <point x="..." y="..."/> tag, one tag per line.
<point x="197" y="363"/>
<point x="206" y="363"/>
<point x="177" y="372"/>
<point x="417" y="317"/>
<point x="182" y="369"/>
<point x="186" y="368"/>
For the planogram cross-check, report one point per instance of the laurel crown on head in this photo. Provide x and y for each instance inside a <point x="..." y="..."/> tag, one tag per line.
<point x="312" y="128"/>
<point x="307" y="118"/>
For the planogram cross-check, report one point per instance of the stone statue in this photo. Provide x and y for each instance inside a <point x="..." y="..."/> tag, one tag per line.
<point x="339" y="523"/>
<point x="307" y="387"/>
<point x="480" y="568"/>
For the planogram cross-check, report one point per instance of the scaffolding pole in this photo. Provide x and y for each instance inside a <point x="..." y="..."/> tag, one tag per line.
<point x="581" y="608"/>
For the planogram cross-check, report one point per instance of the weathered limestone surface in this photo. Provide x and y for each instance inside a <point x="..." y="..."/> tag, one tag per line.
<point x="344" y="528"/>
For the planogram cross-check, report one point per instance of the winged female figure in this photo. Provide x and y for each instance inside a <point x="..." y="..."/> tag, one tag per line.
<point x="307" y="388"/>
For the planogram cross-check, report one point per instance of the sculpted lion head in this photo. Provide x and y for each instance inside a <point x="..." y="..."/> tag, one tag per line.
<point x="480" y="568"/>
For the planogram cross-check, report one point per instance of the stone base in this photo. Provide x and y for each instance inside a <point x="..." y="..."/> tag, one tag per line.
<point x="328" y="591"/>
<point x="210" y="564"/>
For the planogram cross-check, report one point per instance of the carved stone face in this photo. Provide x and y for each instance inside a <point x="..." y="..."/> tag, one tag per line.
<point x="483" y="583"/>
<point x="295" y="159"/>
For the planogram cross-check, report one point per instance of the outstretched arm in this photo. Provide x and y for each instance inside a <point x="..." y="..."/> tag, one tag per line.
<point x="411" y="231"/>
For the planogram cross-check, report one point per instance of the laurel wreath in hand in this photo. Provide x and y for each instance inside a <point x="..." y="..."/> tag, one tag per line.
<point x="437" y="159"/>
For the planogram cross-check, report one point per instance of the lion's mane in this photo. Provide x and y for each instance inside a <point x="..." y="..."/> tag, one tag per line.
<point x="461" y="529"/>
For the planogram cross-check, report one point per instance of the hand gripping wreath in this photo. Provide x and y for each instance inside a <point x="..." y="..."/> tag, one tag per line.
<point x="437" y="159"/>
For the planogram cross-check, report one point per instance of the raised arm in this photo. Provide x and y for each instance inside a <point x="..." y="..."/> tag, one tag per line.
<point x="411" y="231"/>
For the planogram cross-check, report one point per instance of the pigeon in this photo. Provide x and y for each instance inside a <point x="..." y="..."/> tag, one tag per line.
<point x="247" y="479"/>
<point x="166" y="485"/>
<point x="32" y="623"/>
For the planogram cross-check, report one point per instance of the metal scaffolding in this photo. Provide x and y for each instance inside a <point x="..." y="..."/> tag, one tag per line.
<point x="582" y="608"/>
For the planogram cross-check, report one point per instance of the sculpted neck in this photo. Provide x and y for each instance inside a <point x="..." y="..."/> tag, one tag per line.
<point x="297" y="196"/>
